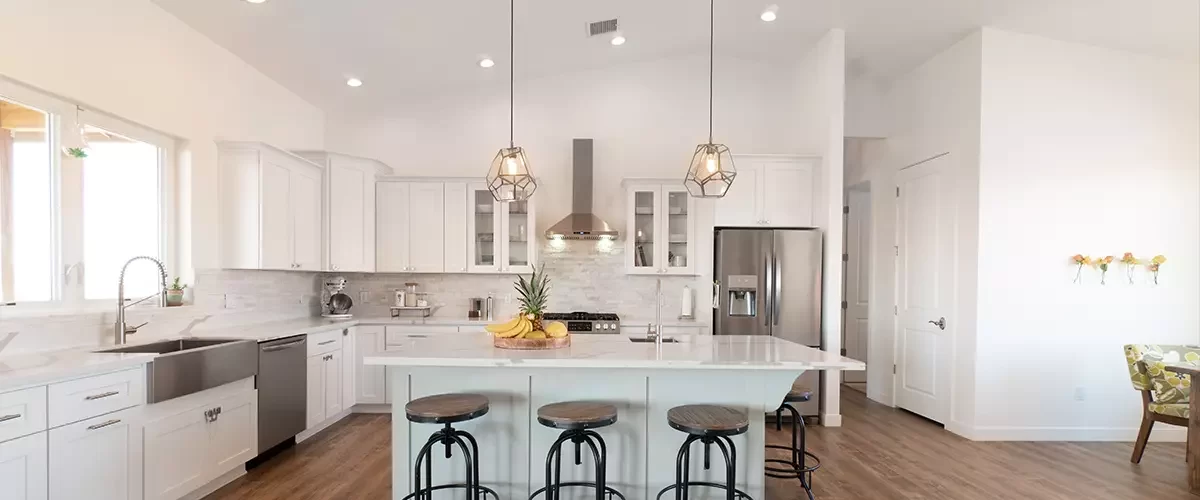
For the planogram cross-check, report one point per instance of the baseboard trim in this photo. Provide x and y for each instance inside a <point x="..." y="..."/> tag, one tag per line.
<point x="372" y="408"/>
<point x="321" y="426"/>
<point x="1162" y="433"/>
<point x="215" y="484"/>
<point x="831" y="420"/>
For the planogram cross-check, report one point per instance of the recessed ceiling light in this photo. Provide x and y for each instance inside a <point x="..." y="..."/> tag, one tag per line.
<point x="770" y="14"/>
<point x="486" y="63"/>
<point x="255" y="1"/>
<point x="353" y="82"/>
<point x="618" y="40"/>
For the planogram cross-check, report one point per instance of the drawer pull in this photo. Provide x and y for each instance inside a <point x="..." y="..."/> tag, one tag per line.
<point x="102" y="425"/>
<point x="102" y="395"/>
<point x="327" y="342"/>
<point x="6" y="418"/>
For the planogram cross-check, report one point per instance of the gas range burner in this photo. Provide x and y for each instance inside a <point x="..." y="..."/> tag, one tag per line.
<point x="584" y="322"/>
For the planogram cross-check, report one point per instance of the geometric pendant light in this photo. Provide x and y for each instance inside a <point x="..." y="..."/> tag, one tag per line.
<point x="509" y="178"/>
<point x="712" y="171"/>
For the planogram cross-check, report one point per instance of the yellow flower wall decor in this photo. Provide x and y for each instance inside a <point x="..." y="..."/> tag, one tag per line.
<point x="1103" y="263"/>
<point x="1080" y="260"/>
<point x="1130" y="264"/>
<point x="1155" y="264"/>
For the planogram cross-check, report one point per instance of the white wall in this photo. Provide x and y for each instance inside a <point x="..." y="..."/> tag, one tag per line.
<point x="131" y="59"/>
<point x="646" y="119"/>
<point x="1084" y="150"/>
<point x="933" y="109"/>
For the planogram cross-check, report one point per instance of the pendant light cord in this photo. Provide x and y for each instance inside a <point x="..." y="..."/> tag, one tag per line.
<point x="711" y="25"/>
<point x="511" y="56"/>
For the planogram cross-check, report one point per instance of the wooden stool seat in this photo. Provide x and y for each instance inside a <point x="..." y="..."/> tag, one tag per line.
<point x="577" y="415"/>
<point x="798" y="394"/>
<point x="708" y="420"/>
<point x="446" y="408"/>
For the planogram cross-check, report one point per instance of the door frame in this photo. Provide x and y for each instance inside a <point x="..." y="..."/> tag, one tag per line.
<point x="865" y="253"/>
<point x="896" y="323"/>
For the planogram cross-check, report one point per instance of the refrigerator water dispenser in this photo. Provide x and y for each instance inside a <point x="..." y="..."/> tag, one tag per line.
<point x="743" y="295"/>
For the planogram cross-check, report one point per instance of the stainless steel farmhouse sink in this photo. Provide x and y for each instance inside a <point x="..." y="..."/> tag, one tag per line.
<point x="187" y="366"/>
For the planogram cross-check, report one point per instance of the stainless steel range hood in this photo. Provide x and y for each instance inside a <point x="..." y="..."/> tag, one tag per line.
<point x="582" y="224"/>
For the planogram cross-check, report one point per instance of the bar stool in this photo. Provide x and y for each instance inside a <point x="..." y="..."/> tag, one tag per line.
<point x="798" y="466"/>
<point x="577" y="418"/>
<point x="708" y="424"/>
<point x="448" y="409"/>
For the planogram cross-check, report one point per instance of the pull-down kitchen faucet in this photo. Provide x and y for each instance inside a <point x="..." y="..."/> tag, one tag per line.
<point x="120" y="330"/>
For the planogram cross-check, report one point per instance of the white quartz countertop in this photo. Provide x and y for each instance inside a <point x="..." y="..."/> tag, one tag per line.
<point x="45" y="367"/>
<point x="733" y="352"/>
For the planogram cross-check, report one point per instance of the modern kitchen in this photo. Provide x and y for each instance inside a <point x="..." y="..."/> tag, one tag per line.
<point x="292" y="249"/>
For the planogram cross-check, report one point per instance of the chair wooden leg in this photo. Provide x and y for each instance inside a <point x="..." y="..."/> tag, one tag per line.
<point x="1143" y="435"/>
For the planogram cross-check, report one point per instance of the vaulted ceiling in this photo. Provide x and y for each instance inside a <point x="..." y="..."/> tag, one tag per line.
<point x="404" y="47"/>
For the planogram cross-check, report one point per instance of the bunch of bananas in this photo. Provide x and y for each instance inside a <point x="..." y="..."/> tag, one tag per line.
<point x="522" y="327"/>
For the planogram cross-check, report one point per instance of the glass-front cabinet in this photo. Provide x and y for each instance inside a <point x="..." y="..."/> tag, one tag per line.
<point x="661" y="235"/>
<point x="501" y="235"/>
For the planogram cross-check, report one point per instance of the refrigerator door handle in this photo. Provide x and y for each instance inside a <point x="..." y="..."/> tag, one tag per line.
<point x="768" y="282"/>
<point x="777" y="289"/>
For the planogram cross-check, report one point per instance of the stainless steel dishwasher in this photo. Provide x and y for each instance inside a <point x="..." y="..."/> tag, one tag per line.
<point x="282" y="390"/>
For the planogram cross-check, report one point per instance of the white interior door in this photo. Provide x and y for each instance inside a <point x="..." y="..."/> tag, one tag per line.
<point x="924" y="289"/>
<point x="857" y="276"/>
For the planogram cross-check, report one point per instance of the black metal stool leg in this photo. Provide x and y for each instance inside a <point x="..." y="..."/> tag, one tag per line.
<point x="730" y="468"/>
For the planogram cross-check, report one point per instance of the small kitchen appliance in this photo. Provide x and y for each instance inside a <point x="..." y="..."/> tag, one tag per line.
<point x="583" y="322"/>
<point x="334" y="302"/>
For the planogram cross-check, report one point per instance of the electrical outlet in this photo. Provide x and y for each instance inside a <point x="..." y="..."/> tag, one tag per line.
<point x="364" y="296"/>
<point x="508" y="298"/>
<point x="1080" y="395"/>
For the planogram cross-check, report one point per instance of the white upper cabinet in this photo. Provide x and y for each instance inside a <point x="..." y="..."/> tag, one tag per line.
<point x="411" y="227"/>
<point x="349" y="216"/>
<point x="501" y="235"/>
<point x="660" y="236"/>
<point x="451" y="226"/>
<point x="392" y="205"/>
<point x="454" y="236"/>
<point x="769" y="192"/>
<point x="271" y="208"/>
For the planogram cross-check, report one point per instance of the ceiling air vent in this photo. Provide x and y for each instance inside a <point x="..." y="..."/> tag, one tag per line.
<point x="602" y="27"/>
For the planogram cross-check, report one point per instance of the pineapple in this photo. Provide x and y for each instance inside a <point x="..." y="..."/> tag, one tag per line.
<point x="534" y="293"/>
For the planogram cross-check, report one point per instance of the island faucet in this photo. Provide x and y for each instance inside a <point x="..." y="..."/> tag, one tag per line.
<point x="120" y="330"/>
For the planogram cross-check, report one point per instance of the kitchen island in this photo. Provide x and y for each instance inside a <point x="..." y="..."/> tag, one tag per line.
<point x="644" y="380"/>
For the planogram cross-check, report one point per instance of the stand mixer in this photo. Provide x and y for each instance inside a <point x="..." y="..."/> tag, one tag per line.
<point x="334" y="303"/>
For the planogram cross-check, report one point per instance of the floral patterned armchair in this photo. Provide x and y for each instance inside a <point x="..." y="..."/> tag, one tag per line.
<point x="1164" y="393"/>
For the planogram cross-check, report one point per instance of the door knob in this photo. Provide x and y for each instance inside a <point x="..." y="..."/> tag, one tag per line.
<point x="941" y="323"/>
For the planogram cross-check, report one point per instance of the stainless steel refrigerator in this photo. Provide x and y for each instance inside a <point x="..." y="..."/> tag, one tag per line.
<point x="769" y="283"/>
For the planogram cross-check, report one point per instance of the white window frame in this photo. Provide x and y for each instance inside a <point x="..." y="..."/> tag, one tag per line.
<point x="65" y="120"/>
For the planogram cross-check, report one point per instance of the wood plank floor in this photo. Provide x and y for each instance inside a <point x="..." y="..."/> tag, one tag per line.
<point x="879" y="454"/>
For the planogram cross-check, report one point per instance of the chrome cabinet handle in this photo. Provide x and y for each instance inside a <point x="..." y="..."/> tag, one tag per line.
<point x="6" y="418"/>
<point x="940" y="323"/>
<point x="280" y="347"/>
<point x="102" y="425"/>
<point x="327" y="342"/>
<point x="102" y="395"/>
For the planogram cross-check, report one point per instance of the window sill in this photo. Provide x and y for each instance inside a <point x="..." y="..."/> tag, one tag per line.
<point x="98" y="307"/>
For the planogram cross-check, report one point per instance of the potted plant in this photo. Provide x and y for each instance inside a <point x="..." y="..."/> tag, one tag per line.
<point x="175" y="293"/>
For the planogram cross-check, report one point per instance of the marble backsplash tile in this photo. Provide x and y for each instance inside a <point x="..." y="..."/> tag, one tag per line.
<point x="221" y="298"/>
<point x="584" y="277"/>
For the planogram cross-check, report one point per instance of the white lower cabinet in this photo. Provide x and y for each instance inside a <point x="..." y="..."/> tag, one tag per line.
<point x="191" y="448"/>
<point x="371" y="383"/>
<point x="324" y="387"/>
<point x="98" y="459"/>
<point x="23" y="468"/>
